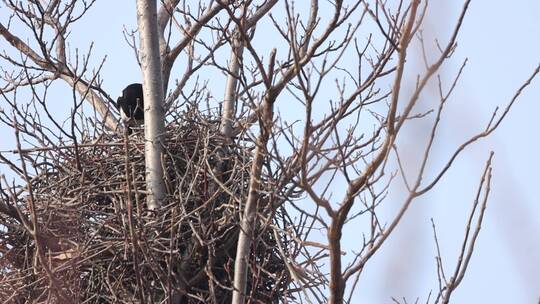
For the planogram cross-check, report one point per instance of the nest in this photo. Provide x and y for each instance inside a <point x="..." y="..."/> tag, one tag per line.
<point x="104" y="246"/>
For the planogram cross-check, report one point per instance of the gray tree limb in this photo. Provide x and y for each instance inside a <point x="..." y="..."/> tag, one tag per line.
<point x="154" y="124"/>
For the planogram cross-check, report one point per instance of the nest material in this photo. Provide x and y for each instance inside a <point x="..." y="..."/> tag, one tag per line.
<point x="103" y="246"/>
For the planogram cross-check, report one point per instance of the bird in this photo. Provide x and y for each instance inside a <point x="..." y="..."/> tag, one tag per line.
<point x="131" y="103"/>
<point x="131" y="106"/>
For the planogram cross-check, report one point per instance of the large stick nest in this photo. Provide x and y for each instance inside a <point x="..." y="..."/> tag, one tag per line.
<point x="102" y="245"/>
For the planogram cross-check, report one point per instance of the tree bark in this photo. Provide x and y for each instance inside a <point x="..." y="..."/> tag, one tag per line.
<point x="229" y="99"/>
<point x="154" y="125"/>
<point x="247" y="223"/>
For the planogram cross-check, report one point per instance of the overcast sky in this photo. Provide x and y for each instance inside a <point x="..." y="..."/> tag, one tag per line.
<point x="501" y="40"/>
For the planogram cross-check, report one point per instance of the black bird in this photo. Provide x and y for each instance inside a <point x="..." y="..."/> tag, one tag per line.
<point x="131" y="103"/>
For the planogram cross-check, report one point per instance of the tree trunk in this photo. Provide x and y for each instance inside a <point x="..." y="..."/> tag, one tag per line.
<point x="154" y="125"/>
<point x="247" y="223"/>
<point x="229" y="100"/>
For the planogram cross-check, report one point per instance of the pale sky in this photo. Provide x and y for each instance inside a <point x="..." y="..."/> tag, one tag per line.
<point x="501" y="40"/>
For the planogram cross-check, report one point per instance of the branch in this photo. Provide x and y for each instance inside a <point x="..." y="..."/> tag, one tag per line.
<point x="154" y="122"/>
